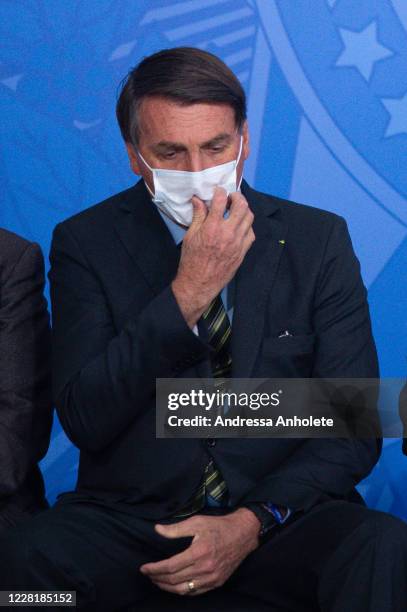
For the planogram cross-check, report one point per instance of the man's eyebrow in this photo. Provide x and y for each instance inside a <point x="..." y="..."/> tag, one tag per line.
<point x="220" y="138"/>
<point x="165" y="145"/>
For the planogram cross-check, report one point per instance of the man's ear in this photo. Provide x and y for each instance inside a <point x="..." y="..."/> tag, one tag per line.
<point x="246" y="140"/>
<point x="134" y="161"/>
<point x="245" y="151"/>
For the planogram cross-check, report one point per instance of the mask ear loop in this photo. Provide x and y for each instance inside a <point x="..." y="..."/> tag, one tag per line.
<point x="240" y="149"/>
<point x="238" y="159"/>
<point x="151" y="170"/>
<point x="144" y="161"/>
<point x="241" y="178"/>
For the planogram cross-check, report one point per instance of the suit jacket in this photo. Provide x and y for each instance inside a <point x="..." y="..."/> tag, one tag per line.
<point x="25" y="375"/>
<point x="117" y="326"/>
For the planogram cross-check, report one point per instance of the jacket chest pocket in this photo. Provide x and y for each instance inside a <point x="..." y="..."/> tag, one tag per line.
<point x="288" y="356"/>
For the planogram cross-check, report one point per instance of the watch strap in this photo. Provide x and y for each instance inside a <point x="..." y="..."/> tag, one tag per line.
<point x="266" y="518"/>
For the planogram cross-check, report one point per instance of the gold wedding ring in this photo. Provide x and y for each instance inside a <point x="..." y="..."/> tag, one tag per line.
<point x="191" y="586"/>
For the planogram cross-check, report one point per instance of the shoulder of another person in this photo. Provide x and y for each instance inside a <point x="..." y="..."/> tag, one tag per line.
<point x="12" y="248"/>
<point x="12" y="242"/>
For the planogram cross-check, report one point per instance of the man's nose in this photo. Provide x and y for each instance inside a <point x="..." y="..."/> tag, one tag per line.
<point x="195" y="162"/>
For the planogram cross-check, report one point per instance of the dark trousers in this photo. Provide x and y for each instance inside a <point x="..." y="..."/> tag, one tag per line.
<point x="339" y="557"/>
<point x="18" y="510"/>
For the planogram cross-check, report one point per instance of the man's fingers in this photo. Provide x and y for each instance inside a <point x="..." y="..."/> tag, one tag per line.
<point x="177" y="578"/>
<point x="169" y="566"/>
<point x="182" y="589"/>
<point x="218" y="204"/>
<point x="248" y="241"/>
<point x="199" y="212"/>
<point x="245" y="226"/>
<point x="239" y="207"/>
<point x="183" y="575"/>
<point x="239" y="210"/>
<point x="178" y="588"/>
<point x="187" y="527"/>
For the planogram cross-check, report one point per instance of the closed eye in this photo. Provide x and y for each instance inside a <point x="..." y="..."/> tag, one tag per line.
<point x="169" y="155"/>
<point x="217" y="149"/>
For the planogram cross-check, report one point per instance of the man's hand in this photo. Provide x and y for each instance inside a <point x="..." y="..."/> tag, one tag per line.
<point x="219" y="545"/>
<point x="212" y="250"/>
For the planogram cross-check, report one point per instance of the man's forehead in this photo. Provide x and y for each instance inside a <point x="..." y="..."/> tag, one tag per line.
<point x="165" y="121"/>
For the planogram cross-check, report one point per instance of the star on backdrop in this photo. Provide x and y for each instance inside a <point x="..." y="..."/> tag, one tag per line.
<point x="12" y="82"/>
<point x="397" y="108"/>
<point x="362" y="50"/>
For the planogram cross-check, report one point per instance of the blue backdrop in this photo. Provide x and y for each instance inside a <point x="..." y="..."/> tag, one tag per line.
<point x="327" y="88"/>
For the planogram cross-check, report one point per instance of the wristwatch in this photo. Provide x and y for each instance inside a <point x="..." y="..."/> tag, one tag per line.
<point x="268" y="515"/>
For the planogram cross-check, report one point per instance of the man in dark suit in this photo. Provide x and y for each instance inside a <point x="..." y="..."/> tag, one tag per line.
<point x="25" y="379"/>
<point x="279" y="519"/>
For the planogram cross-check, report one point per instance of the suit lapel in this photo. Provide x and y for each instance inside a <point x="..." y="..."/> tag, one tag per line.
<point x="254" y="281"/>
<point x="147" y="238"/>
<point x="152" y="248"/>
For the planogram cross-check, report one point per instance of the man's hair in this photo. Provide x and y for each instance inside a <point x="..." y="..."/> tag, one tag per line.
<point x="185" y="75"/>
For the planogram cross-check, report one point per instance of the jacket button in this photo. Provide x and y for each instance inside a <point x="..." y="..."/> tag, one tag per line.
<point x="211" y="442"/>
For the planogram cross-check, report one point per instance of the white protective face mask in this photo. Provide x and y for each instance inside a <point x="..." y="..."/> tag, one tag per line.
<point x="175" y="188"/>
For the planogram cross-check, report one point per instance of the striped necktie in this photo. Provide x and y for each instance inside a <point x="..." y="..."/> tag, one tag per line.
<point x="219" y="331"/>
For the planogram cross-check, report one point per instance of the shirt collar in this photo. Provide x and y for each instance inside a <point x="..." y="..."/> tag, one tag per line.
<point x="176" y="231"/>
